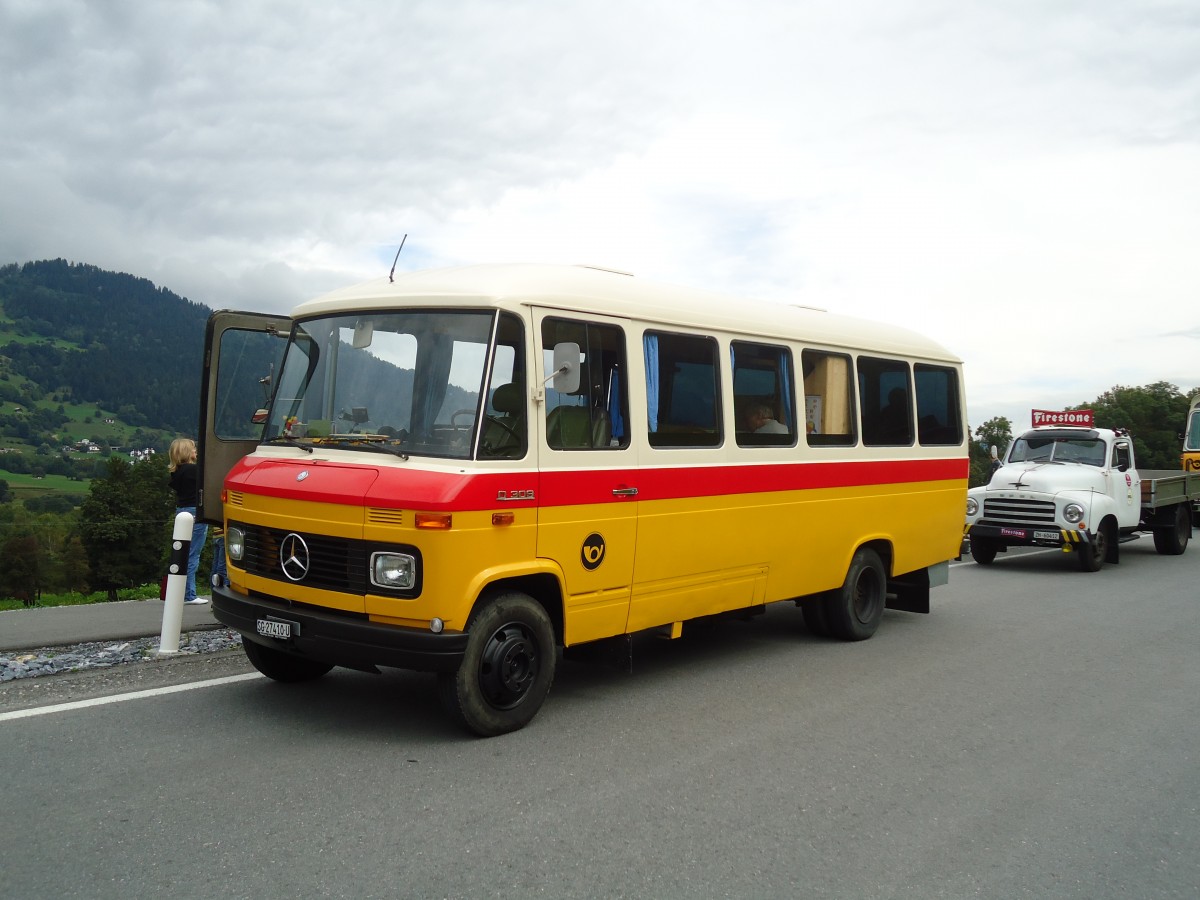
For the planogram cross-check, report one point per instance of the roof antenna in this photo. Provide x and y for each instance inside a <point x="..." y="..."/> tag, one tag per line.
<point x="394" y="261"/>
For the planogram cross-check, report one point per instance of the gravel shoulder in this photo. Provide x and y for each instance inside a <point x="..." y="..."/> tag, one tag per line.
<point x="51" y="675"/>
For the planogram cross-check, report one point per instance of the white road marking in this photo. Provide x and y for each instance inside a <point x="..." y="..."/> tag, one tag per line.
<point x="118" y="698"/>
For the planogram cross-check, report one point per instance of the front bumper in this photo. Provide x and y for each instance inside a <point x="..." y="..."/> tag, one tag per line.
<point x="339" y="638"/>
<point x="1029" y="535"/>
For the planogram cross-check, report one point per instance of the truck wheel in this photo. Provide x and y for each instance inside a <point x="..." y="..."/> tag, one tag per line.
<point x="280" y="666"/>
<point x="1173" y="541"/>
<point x="1092" y="554"/>
<point x="983" y="551"/>
<point x="853" y="611"/>
<point x="507" y="669"/>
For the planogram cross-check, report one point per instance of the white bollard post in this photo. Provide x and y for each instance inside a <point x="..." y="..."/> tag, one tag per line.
<point x="181" y="543"/>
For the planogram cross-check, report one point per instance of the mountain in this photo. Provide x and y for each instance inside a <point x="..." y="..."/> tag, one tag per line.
<point x="72" y="333"/>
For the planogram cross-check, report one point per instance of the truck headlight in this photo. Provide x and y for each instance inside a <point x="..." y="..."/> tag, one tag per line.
<point x="397" y="571"/>
<point x="972" y="506"/>
<point x="235" y="543"/>
<point x="1073" y="513"/>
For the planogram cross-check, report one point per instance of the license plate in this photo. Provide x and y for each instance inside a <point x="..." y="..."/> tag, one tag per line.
<point x="275" y="628"/>
<point x="1046" y="536"/>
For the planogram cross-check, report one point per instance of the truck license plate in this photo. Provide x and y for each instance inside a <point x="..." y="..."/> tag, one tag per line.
<point x="277" y="629"/>
<point x="1046" y="536"/>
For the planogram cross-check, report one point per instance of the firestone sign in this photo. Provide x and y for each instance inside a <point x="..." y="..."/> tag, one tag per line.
<point x="1063" y="417"/>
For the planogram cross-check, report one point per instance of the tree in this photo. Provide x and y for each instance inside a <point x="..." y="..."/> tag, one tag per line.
<point x="995" y="432"/>
<point x="20" y="568"/>
<point x="1155" y="416"/>
<point x="122" y="524"/>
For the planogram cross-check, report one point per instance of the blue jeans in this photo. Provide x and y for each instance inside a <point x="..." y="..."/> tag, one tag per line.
<point x="218" y="564"/>
<point x="199" y="533"/>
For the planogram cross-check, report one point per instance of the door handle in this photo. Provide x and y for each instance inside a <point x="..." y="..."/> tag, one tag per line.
<point x="624" y="492"/>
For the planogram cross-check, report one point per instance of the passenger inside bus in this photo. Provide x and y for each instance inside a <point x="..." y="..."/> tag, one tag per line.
<point x="761" y="420"/>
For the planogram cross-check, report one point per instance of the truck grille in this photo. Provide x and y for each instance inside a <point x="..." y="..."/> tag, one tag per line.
<point x="1018" y="512"/>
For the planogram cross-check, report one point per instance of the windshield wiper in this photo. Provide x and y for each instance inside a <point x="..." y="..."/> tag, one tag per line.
<point x="372" y="443"/>
<point x="288" y="439"/>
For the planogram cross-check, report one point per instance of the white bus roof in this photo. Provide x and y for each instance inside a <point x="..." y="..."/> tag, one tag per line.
<point x="596" y="291"/>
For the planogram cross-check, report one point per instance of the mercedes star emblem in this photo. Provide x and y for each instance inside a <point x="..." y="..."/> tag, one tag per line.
<point x="293" y="557"/>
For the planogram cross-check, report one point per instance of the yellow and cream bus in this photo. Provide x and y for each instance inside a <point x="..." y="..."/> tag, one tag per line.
<point x="1190" y="458"/>
<point x="467" y="471"/>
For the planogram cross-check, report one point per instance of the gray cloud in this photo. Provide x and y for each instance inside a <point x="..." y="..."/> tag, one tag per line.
<point x="920" y="161"/>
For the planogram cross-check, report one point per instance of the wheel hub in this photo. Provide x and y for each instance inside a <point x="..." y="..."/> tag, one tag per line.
<point x="509" y="666"/>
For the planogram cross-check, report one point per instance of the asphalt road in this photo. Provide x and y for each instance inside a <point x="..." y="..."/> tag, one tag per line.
<point x="1036" y="735"/>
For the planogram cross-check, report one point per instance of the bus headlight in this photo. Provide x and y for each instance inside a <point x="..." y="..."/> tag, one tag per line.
<point x="397" y="571"/>
<point x="1073" y="513"/>
<point x="972" y="506"/>
<point x="235" y="543"/>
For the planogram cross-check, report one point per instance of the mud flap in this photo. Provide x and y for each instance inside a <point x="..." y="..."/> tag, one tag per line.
<point x="910" y="592"/>
<point x="613" y="652"/>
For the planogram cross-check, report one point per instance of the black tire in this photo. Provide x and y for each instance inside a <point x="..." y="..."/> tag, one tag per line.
<point x="284" y="667"/>
<point x="507" y="669"/>
<point x="1093" y="553"/>
<point x="983" y="550"/>
<point x="814" y="615"/>
<point x="1173" y="541"/>
<point x="854" y="610"/>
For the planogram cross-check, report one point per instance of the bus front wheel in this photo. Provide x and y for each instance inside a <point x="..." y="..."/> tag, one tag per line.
<point x="507" y="669"/>
<point x="280" y="666"/>
<point x="853" y="611"/>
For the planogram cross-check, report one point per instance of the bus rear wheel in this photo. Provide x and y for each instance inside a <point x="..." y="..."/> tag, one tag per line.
<point x="853" y="611"/>
<point x="280" y="666"/>
<point x="507" y="669"/>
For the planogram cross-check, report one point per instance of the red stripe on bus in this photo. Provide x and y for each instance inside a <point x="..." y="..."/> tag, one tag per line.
<point x="452" y="491"/>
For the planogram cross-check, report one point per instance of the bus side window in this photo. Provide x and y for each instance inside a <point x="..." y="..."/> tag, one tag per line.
<point x="682" y="390"/>
<point x="596" y="415"/>
<point x="828" y="398"/>
<point x="939" y="413"/>
<point x="763" y="395"/>
<point x="885" y="392"/>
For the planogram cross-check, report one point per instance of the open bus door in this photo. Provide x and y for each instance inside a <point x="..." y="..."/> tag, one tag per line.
<point x="242" y="354"/>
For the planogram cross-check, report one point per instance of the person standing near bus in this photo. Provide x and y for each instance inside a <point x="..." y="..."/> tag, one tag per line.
<point x="184" y="482"/>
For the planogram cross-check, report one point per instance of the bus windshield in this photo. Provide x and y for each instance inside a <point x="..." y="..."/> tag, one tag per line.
<point x="1088" y="451"/>
<point x="407" y="383"/>
<point x="1191" y="440"/>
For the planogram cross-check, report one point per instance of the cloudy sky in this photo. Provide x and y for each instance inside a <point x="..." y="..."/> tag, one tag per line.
<point x="1020" y="179"/>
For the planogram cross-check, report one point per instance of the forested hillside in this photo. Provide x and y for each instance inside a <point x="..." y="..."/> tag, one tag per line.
<point x="101" y="338"/>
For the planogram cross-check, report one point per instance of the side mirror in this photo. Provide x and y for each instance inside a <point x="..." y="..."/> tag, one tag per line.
<point x="566" y="368"/>
<point x="259" y="417"/>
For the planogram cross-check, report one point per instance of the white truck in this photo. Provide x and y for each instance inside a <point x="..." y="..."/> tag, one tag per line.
<point x="1077" y="488"/>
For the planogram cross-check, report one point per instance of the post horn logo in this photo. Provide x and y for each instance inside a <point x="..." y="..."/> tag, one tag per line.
<point x="592" y="553"/>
